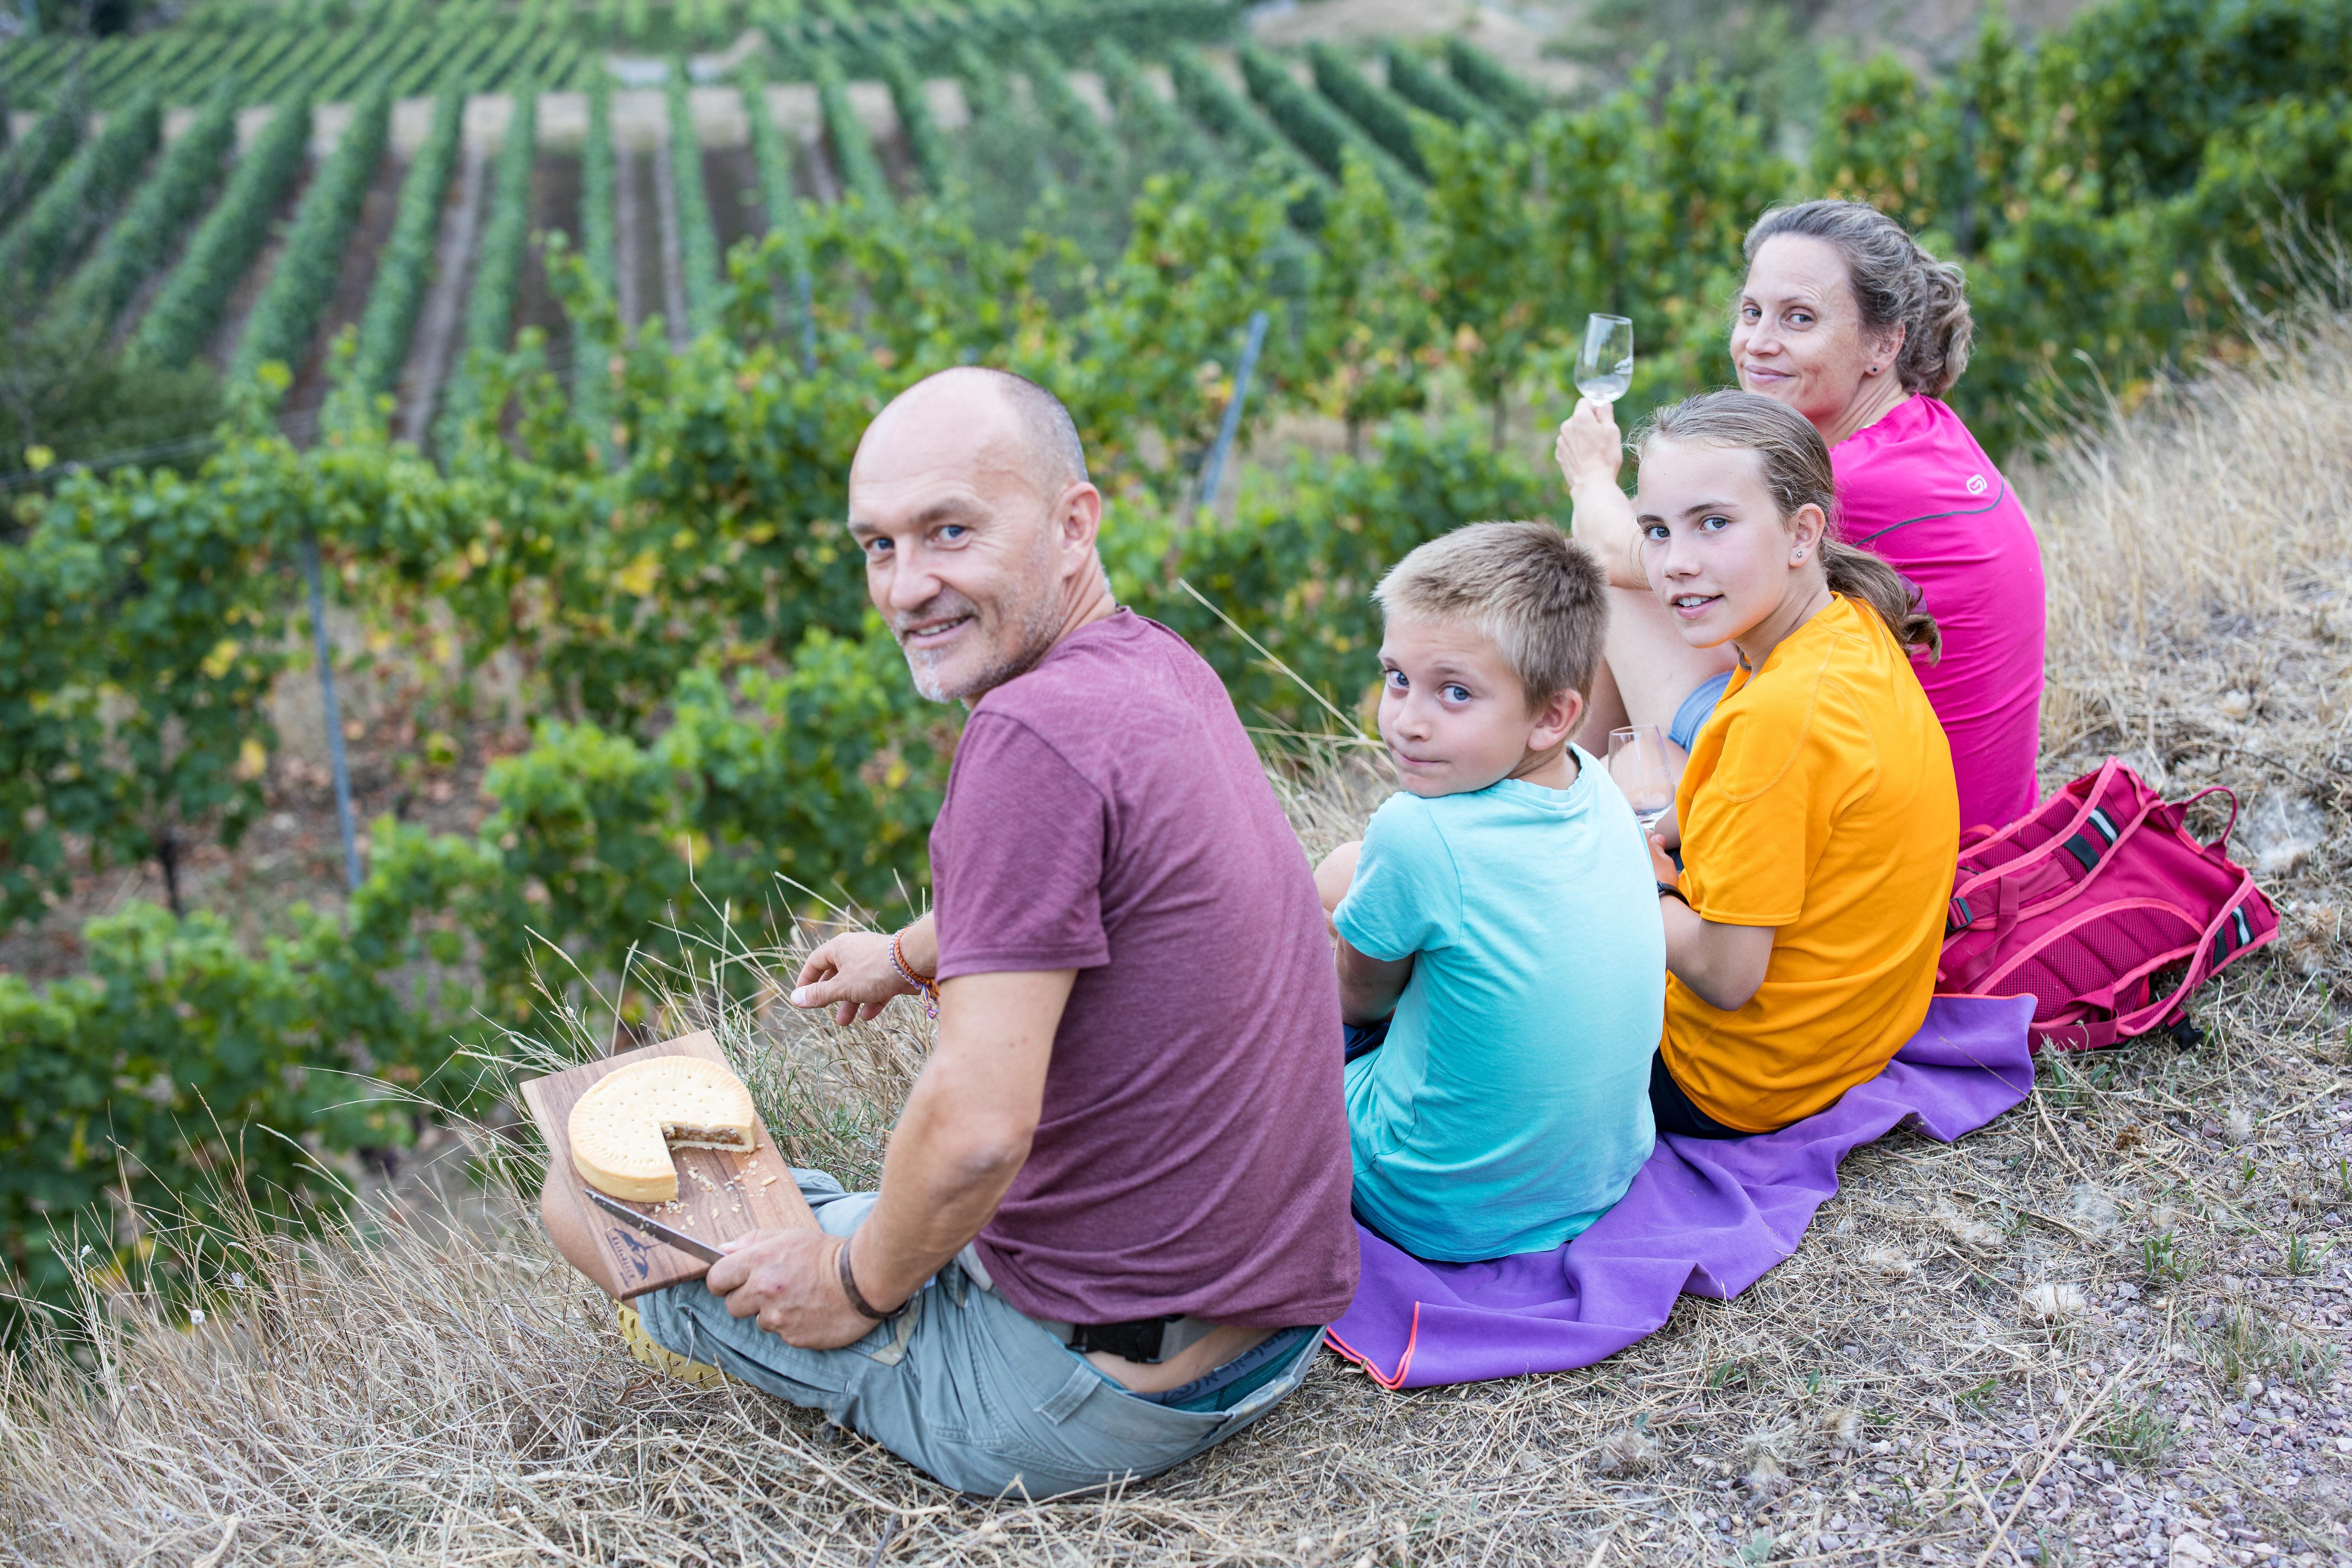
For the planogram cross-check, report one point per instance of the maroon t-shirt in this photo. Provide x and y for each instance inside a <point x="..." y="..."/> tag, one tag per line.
<point x="1108" y="814"/>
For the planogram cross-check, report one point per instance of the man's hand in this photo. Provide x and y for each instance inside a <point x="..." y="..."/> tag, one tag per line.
<point x="852" y="973"/>
<point x="791" y="1282"/>
<point x="1590" y="447"/>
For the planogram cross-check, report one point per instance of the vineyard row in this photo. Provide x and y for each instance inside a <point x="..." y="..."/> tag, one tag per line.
<point x="281" y="53"/>
<point x="653" y="214"/>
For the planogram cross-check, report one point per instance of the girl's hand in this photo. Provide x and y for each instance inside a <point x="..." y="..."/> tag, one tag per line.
<point x="1590" y="448"/>
<point x="1661" y="865"/>
<point x="1667" y="832"/>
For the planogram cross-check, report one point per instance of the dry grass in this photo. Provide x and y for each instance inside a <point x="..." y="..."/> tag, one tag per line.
<point x="2076" y="1297"/>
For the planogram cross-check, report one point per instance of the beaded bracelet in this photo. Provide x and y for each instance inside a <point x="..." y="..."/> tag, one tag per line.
<point x="929" y="988"/>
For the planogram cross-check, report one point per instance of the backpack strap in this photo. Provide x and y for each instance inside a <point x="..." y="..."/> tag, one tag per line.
<point x="1990" y="901"/>
<point x="2218" y="845"/>
<point x="2231" y="935"/>
<point x="2088" y="1034"/>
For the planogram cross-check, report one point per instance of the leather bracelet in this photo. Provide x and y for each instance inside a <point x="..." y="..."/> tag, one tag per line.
<point x="1668" y="890"/>
<point x="856" y="1298"/>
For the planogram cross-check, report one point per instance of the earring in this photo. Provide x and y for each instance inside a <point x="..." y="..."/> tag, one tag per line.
<point x="1871" y="371"/>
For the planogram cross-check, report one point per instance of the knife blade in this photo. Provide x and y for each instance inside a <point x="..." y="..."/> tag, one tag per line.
<point x="667" y="1236"/>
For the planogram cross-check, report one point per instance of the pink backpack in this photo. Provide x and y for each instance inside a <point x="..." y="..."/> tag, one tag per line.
<point x="2088" y="901"/>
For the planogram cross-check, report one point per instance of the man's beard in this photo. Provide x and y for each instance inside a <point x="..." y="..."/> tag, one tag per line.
<point x="1039" y="620"/>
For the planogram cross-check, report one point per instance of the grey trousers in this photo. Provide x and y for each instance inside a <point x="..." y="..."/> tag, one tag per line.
<point x="962" y="1387"/>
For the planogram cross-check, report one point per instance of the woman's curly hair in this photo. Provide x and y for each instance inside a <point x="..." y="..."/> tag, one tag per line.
<point x="1895" y="280"/>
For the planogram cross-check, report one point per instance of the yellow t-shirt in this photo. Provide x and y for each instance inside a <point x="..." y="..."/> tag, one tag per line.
<point x="1819" y="799"/>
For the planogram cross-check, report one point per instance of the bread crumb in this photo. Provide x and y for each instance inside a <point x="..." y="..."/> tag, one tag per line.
<point x="770" y="1182"/>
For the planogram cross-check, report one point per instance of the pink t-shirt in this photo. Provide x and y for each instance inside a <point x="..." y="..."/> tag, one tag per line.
<point x="1917" y="490"/>
<point x="1108" y="814"/>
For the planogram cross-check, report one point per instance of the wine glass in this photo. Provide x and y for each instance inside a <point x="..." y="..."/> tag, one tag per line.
<point x="1637" y="761"/>
<point x="1604" y="365"/>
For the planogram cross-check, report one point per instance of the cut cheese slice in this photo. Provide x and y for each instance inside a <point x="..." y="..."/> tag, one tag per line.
<point x="624" y="1127"/>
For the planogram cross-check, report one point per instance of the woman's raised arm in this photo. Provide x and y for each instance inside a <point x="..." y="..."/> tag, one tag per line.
<point x="1589" y="451"/>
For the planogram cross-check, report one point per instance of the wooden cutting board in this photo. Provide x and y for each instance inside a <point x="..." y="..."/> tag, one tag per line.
<point x="721" y="1193"/>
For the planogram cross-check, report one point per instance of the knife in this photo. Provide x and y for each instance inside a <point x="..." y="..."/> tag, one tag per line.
<point x="667" y="1236"/>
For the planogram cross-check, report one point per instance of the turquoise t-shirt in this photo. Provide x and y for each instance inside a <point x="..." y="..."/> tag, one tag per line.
<point x="1511" y="1106"/>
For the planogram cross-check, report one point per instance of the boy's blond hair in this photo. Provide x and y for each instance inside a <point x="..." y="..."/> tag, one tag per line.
<point x="1539" y="595"/>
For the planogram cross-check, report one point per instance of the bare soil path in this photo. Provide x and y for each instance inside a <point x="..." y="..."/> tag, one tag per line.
<point x="445" y="304"/>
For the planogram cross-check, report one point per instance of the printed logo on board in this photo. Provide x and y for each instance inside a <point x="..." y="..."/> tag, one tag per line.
<point x="631" y="1252"/>
<point x="1977" y="485"/>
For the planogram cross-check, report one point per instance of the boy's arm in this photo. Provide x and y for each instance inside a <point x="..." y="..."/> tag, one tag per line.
<point x="1369" y="987"/>
<point x="1337" y="874"/>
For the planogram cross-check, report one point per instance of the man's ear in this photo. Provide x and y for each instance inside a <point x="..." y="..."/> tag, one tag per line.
<point x="1078" y="515"/>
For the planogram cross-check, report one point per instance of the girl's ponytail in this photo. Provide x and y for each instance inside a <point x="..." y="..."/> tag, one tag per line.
<point x="1863" y="577"/>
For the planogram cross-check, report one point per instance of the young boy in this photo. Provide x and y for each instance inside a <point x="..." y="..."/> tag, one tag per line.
<point x="1499" y="920"/>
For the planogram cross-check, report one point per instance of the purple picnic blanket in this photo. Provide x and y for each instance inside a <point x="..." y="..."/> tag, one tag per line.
<point x="1705" y="1217"/>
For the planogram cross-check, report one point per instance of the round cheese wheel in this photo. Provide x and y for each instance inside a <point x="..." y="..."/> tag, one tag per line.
<point x="624" y="1127"/>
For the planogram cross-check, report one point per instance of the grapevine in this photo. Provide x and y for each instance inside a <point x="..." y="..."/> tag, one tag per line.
<point x="853" y="149"/>
<point x="697" y="240"/>
<point x="31" y="163"/>
<point x="273" y="48"/>
<point x="1410" y="80"/>
<point x="177" y="325"/>
<point x="1484" y="79"/>
<point x="460" y="70"/>
<point x="61" y="223"/>
<point x="286" y="315"/>
<point x="1156" y="130"/>
<point x="1319" y="131"/>
<point x="770" y="156"/>
<point x="404" y="269"/>
<point x="459" y="32"/>
<point x="1217" y="105"/>
<point x="160" y="211"/>
<point x="498" y="263"/>
<point x="524" y="37"/>
<point x="1381" y="117"/>
<point x="329" y="59"/>
<point x="598" y="244"/>
<point x="149" y="70"/>
<point x="1074" y="121"/>
<point x="231" y="65"/>
<point x="281" y="77"/>
<point x="394" y="39"/>
<point x="925" y="144"/>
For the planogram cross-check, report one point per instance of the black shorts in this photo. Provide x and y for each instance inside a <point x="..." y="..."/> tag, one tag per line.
<point x="1674" y="1111"/>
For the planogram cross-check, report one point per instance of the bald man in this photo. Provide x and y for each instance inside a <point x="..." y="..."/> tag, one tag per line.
<point x="1113" y="1215"/>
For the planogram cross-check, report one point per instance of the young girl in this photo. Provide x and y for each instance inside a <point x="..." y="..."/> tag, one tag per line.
<point x="1818" y="817"/>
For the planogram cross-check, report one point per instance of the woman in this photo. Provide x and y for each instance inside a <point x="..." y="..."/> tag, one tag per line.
<point x="1843" y="318"/>
<point x="1818" y="813"/>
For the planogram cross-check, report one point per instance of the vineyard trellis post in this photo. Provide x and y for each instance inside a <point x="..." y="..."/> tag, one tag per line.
<point x="806" y="288"/>
<point x="1230" y="426"/>
<point x="335" y="717"/>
